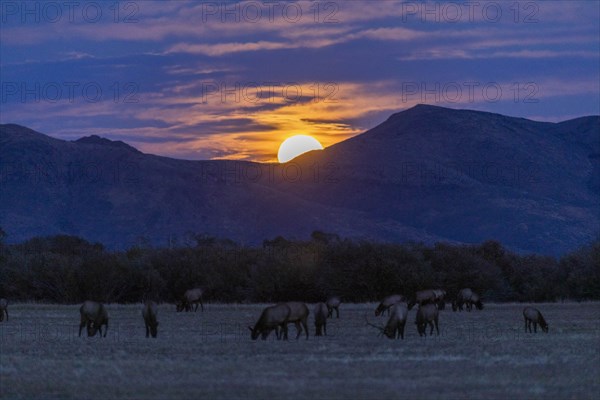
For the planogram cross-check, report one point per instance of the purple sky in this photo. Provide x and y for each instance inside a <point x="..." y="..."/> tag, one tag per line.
<point x="200" y="80"/>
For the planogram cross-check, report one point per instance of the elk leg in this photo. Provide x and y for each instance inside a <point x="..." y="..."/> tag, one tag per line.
<point x="147" y="330"/>
<point x="201" y="305"/>
<point x="305" y="325"/>
<point x="325" y="328"/>
<point x="401" y="331"/>
<point x="89" y="327"/>
<point x="437" y="329"/>
<point x="298" y="329"/>
<point x="534" y="327"/>
<point x="284" y="328"/>
<point x="105" y="329"/>
<point x="337" y="313"/>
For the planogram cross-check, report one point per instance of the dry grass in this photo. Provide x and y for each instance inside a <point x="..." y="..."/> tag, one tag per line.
<point x="483" y="354"/>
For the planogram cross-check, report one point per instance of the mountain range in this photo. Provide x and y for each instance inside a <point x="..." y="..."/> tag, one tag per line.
<point x="425" y="174"/>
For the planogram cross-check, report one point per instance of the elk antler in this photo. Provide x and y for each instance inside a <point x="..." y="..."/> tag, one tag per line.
<point x="373" y="325"/>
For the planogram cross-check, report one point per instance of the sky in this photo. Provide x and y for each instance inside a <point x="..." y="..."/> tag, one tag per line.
<point x="212" y="80"/>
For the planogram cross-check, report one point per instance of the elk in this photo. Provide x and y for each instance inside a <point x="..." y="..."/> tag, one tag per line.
<point x="149" y="314"/>
<point x="333" y="303"/>
<point x="321" y="315"/>
<point x="423" y="297"/>
<point x="427" y="314"/>
<point x="387" y="303"/>
<point x="474" y="301"/>
<point x="469" y="298"/>
<point x="3" y="309"/>
<point x="190" y="297"/>
<point x="93" y="315"/>
<point x="435" y="296"/>
<point x="299" y="316"/>
<point x="272" y="318"/>
<point x="533" y="315"/>
<point x="395" y="325"/>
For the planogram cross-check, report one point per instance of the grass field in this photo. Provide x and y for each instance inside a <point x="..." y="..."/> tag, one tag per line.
<point x="209" y="355"/>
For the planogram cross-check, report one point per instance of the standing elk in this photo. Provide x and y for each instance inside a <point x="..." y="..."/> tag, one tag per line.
<point x="387" y="303"/>
<point x="299" y="316"/>
<point x="321" y="314"/>
<point x="469" y="298"/>
<point x="190" y="297"/>
<point x="427" y="314"/>
<point x="272" y="318"/>
<point x="333" y="303"/>
<point x="533" y="315"/>
<point x="395" y="325"/>
<point x="3" y="309"/>
<point x="93" y="316"/>
<point x="149" y="313"/>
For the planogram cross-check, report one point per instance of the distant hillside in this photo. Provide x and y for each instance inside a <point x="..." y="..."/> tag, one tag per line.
<point x="426" y="174"/>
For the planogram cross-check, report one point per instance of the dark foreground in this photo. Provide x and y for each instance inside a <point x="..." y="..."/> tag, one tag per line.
<point x="482" y="354"/>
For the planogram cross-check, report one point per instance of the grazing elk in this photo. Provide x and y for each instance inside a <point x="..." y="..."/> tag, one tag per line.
<point x="3" y="309"/>
<point x="433" y="296"/>
<point x="321" y="314"/>
<point x="272" y="318"/>
<point x="395" y="325"/>
<point x="533" y="315"/>
<point x="469" y="298"/>
<point x="93" y="315"/>
<point x="387" y="303"/>
<point x="190" y="297"/>
<point x="333" y="303"/>
<point x="299" y="316"/>
<point x="149" y="313"/>
<point x="427" y="314"/>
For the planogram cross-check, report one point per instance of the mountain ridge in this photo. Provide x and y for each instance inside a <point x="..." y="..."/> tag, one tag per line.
<point x="425" y="174"/>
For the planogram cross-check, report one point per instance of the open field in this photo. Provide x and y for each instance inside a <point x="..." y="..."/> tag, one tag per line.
<point x="482" y="354"/>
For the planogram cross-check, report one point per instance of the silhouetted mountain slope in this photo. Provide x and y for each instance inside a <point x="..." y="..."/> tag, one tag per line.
<point x="427" y="173"/>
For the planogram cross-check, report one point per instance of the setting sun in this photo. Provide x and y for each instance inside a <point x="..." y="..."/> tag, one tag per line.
<point x="294" y="146"/>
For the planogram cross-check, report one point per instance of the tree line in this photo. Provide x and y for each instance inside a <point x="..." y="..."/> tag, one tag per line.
<point x="69" y="269"/>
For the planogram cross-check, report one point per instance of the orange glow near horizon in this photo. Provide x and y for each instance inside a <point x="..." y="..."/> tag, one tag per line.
<point x="327" y="119"/>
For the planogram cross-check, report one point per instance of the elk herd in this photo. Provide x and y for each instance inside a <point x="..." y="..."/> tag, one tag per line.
<point x="277" y="317"/>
